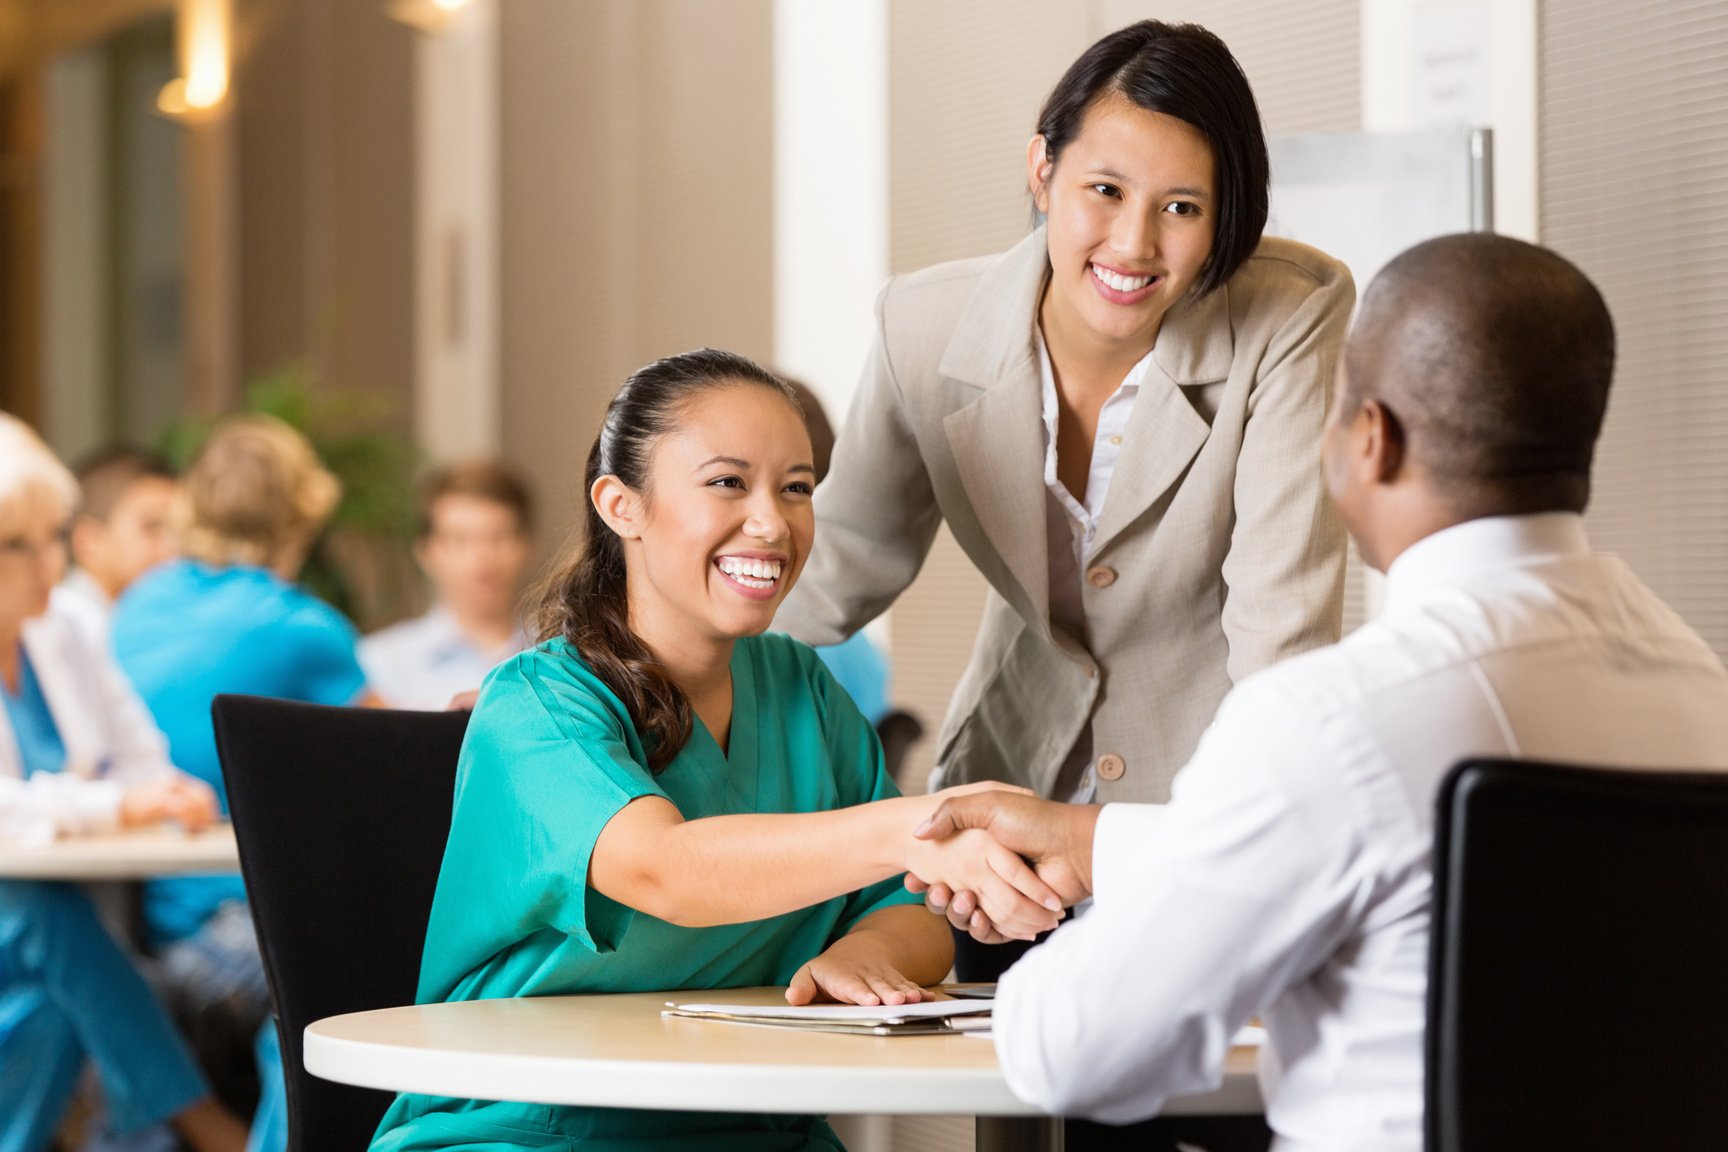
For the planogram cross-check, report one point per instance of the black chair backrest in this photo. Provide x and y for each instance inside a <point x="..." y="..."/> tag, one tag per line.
<point x="1578" y="983"/>
<point x="898" y="731"/>
<point x="341" y="816"/>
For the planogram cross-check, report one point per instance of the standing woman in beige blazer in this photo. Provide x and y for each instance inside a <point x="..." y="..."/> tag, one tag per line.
<point x="1119" y="418"/>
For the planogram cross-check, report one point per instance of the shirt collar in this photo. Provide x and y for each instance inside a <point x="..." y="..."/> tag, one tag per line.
<point x="1457" y="554"/>
<point x="1047" y="375"/>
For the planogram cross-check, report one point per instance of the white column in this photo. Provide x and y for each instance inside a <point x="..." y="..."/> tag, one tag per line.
<point x="830" y="189"/>
<point x="830" y="202"/>
<point x="456" y="387"/>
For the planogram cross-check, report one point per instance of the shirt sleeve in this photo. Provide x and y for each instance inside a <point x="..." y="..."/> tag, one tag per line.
<point x="1205" y="911"/>
<point x="323" y="654"/>
<point x="860" y="777"/>
<point x="877" y="509"/>
<point x="548" y="760"/>
<point x="138" y="752"/>
<point x="1285" y="568"/>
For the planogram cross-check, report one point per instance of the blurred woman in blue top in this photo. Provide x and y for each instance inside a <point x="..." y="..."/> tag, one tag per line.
<point x="227" y="617"/>
<point x="77" y="754"/>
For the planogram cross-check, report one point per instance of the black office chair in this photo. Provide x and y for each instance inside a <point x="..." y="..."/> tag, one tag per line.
<point x="1578" y="983"/>
<point x="341" y="815"/>
<point x="898" y="730"/>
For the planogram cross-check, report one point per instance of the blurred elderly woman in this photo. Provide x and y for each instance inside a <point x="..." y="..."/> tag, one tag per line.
<point x="228" y="617"/>
<point x="78" y="753"/>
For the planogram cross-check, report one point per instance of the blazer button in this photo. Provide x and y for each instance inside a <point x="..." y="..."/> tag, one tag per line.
<point x="1111" y="766"/>
<point x="1101" y="577"/>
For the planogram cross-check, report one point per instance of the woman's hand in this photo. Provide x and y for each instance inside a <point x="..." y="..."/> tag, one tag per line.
<point x="856" y="969"/>
<point x="1009" y="893"/>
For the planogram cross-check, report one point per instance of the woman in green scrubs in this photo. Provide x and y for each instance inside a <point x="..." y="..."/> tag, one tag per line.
<point x="660" y="796"/>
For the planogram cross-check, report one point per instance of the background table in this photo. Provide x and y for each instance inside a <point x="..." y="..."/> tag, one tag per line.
<point x="618" y="1051"/>
<point x="132" y="855"/>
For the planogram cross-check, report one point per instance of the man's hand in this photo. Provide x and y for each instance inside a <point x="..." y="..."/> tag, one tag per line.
<point x="1056" y="838"/>
<point x="1017" y="901"/>
<point x="186" y="800"/>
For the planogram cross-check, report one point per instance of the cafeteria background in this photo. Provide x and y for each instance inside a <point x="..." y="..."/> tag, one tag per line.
<point x="441" y="230"/>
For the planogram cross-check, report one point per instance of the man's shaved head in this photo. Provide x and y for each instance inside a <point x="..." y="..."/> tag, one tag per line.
<point x="1495" y="357"/>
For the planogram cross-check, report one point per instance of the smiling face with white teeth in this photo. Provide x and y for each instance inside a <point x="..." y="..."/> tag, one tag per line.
<point x="1130" y="211"/>
<point x="725" y="525"/>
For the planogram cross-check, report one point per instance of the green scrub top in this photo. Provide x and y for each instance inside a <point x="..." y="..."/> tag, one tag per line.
<point x="550" y="757"/>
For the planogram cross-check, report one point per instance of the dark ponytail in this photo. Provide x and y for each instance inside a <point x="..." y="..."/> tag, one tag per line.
<point x="585" y="600"/>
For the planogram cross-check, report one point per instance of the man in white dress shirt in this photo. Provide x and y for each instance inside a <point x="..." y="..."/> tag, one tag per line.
<point x="1289" y="875"/>
<point x="475" y="544"/>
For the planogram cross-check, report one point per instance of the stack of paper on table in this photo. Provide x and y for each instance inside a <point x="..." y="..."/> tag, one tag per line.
<point x="924" y="1018"/>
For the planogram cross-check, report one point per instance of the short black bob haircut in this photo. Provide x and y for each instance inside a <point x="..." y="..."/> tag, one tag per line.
<point x="1181" y="70"/>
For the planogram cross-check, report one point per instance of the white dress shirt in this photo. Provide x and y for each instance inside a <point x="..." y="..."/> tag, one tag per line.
<point x="1072" y="524"/>
<point x="1289" y="875"/>
<point x="423" y="662"/>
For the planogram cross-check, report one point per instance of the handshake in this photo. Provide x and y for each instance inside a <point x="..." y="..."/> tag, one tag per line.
<point x="999" y="862"/>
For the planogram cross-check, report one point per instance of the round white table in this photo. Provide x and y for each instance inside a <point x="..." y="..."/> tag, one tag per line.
<point x="618" y="1051"/>
<point x="132" y="855"/>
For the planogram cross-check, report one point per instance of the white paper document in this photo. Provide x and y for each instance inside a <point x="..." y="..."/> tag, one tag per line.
<point x="874" y="1019"/>
<point x="923" y="1010"/>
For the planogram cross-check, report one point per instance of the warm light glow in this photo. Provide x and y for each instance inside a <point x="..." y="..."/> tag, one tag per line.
<point x="432" y="17"/>
<point x="204" y="51"/>
<point x="203" y="35"/>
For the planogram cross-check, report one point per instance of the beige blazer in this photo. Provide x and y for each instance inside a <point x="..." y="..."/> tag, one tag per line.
<point x="1217" y="553"/>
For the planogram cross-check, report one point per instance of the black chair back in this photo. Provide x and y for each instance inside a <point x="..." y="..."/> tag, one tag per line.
<point x="341" y="816"/>
<point x="1578" y="983"/>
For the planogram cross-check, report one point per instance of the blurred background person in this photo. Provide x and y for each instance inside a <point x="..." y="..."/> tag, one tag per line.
<point x="475" y="543"/>
<point x="228" y="617"/>
<point x="121" y="529"/>
<point x="78" y="753"/>
<point x="856" y="662"/>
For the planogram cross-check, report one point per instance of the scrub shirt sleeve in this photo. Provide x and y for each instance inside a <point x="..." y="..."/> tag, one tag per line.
<point x="860" y="777"/>
<point x="550" y="757"/>
<point x="324" y="646"/>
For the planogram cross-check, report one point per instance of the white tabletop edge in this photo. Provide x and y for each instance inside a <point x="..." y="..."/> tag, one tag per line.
<point x="604" y="1083"/>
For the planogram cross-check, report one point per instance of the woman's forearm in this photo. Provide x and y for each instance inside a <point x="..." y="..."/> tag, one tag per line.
<point x="733" y="869"/>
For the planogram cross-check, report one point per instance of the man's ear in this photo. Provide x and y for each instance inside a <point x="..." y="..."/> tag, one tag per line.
<point x="1038" y="168"/>
<point x="619" y="506"/>
<point x="1386" y="447"/>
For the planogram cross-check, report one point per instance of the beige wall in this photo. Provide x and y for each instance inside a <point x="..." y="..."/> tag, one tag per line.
<point x="636" y="205"/>
<point x="324" y="131"/>
<point x="1634" y="157"/>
